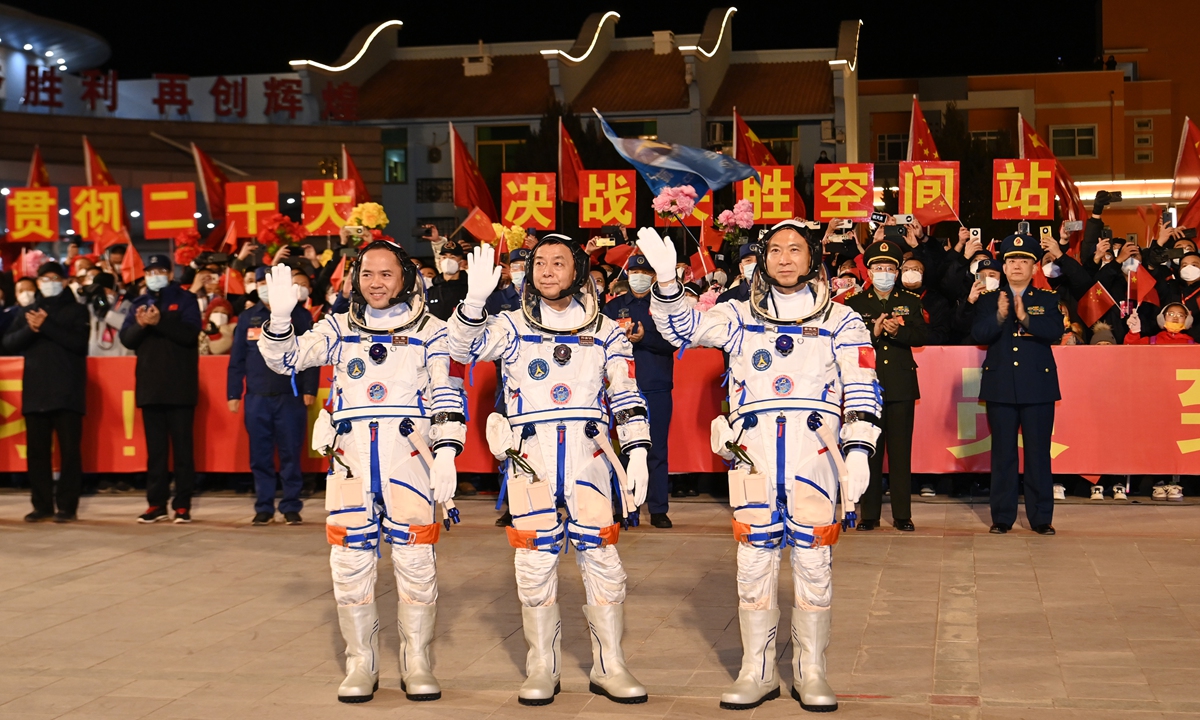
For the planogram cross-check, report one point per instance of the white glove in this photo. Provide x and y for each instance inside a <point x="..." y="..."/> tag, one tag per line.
<point x="499" y="435"/>
<point x="1134" y="323"/>
<point x="281" y="294"/>
<point x="721" y="433"/>
<point x="660" y="253"/>
<point x="482" y="277"/>
<point x="639" y="475"/>
<point x="443" y="477"/>
<point x="860" y="474"/>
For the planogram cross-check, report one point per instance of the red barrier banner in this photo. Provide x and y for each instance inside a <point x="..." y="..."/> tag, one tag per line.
<point x="1125" y="410"/>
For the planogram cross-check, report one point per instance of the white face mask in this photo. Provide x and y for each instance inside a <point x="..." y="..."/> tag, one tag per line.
<point x="428" y="282"/>
<point x="25" y="298"/>
<point x="449" y="266"/>
<point x="518" y="277"/>
<point x="678" y="273"/>
<point x="302" y="295"/>
<point x="154" y="283"/>
<point x="991" y="283"/>
<point x="1130" y="265"/>
<point x="50" y="288"/>
<point x="720" y="278"/>
<point x="884" y="281"/>
<point x="1189" y="273"/>
<point x="911" y="277"/>
<point x="640" y="282"/>
<point x="218" y="319"/>
<point x="748" y="270"/>
<point x="974" y="267"/>
<point x="262" y="294"/>
<point x="331" y="299"/>
<point x="1051" y="270"/>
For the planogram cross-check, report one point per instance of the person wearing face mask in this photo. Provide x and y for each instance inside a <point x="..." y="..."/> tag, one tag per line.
<point x="1185" y="287"/>
<point x="896" y="319"/>
<point x="52" y="334"/>
<point x="747" y="262"/>
<point x="987" y="279"/>
<point x="1020" y="323"/>
<point x="937" y="312"/>
<point x="276" y="417"/>
<point x="107" y="311"/>
<point x="450" y="285"/>
<point x="1174" y="320"/>
<point x="655" y="359"/>
<point x="163" y="330"/>
<point x="219" y="324"/>
<point x="24" y="292"/>
<point x="508" y="296"/>
<point x="1117" y="277"/>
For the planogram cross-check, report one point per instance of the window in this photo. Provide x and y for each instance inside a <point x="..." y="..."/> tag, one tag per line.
<point x="1143" y="141"/>
<point x="435" y="190"/>
<point x="989" y="138"/>
<point x="1143" y="124"/>
<point x="395" y="156"/>
<point x="495" y="151"/>
<point x="1073" y="141"/>
<point x="642" y="129"/>
<point x="1143" y="156"/>
<point x="893" y="148"/>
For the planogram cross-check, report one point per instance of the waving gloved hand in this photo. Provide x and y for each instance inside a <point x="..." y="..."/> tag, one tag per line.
<point x="639" y="475"/>
<point x="443" y="477"/>
<point x="659" y="252"/>
<point x="860" y="473"/>
<point x="482" y="277"/>
<point x="281" y="295"/>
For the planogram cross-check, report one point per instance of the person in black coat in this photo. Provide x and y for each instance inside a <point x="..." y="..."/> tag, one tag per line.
<point x="163" y="329"/>
<point x="52" y="336"/>
<point x="450" y="286"/>
<point x="1020" y="324"/>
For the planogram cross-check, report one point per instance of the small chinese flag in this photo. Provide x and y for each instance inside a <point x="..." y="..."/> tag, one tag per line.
<point x="235" y="284"/>
<point x="701" y="262"/>
<point x="131" y="267"/>
<point x="350" y="172"/>
<point x="212" y="183"/>
<point x="109" y="237"/>
<point x="618" y="255"/>
<point x="1039" y="278"/>
<point x="470" y="189"/>
<point x="94" y="168"/>
<point x="747" y="148"/>
<point x="1095" y="304"/>
<point x="480" y="226"/>
<point x="38" y="175"/>
<point x="230" y="242"/>
<point x="938" y="210"/>
<point x="569" y="166"/>
<point x="710" y="237"/>
<point x="335" y="280"/>
<point x="920" y="140"/>
<point x="1141" y="286"/>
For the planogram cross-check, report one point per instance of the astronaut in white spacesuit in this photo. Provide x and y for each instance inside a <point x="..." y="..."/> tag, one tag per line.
<point x="392" y="428"/>
<point x="561" y="360"/>
<point x="801" y="370"/>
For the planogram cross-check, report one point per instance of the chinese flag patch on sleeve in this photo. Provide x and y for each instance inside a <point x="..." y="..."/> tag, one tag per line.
<point x="632" y="369"/>
<point x="866" y="357"/>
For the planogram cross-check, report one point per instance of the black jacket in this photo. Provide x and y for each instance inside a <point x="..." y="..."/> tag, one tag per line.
<point x="445" y="295"/>
<point x="1019" y="367"/>
<point x="55" y="376"/>
<point x="168" y="356"/>
<point x="894" y="363"/>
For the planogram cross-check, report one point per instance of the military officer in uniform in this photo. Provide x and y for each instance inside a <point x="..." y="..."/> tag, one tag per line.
<point x="655" y="359"/>
<point x="1020" y="323"/>
<point x="894" y="317"/>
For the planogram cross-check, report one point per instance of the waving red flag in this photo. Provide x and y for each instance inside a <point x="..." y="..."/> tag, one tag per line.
<point x="1034" y="148"/>
<point x="1187" y="175"/>
<point x="569" y="166"/>
<point x="920" y="140"/>
<point x="747" y="148"/>
<point x="470" y="190"/>
<point x="235" y="284"/>
<point x="350" y="172"/>
<point x="1095" y="303"/>
<point x="94" y="168"/>
<point x="212" y="183"/>
<point x="38" y="175"/>
<point x="1142" y="286"/>
<point x="131" y="266"/>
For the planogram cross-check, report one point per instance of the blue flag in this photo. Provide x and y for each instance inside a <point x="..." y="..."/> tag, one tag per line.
<point x="665" y="165"/>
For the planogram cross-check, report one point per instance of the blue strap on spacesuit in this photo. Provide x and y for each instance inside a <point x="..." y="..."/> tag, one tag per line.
<point x="386" y="339"/>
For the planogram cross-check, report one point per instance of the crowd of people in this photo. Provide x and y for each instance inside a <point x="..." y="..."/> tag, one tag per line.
<point x="79" y="306"/>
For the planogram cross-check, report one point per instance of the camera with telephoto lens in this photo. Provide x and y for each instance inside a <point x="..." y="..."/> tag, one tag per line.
<point x="1103" y="199"/>
<point x="96" y="297"/>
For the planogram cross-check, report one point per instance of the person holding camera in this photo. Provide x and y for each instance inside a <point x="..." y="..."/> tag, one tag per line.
<point x="1020" y="323"/>
<point x="51" y="334"/>
<point x="107" y="311"/>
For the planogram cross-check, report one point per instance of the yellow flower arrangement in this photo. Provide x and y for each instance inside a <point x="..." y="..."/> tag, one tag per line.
<point x="514" y="237"/>
<point x="369" y="215"/>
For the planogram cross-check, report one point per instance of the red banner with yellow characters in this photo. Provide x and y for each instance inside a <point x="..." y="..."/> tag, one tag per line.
<point x="1023" y="189"/>
<point x="168" y="209"/>
<point x="1157" y="411"/>
<point x="843" y="191"/>
<point x="32" y="214"/>
<point x="96" y="211"/>
<point x="528" y="199"/>
<point x="250" y="204"/>
<point x="606" y="197"/>
<point x="326" y="205"/>
<point x="775" y="199"/>
<point x="929" y="190"/>
<point x="701" y="214"/>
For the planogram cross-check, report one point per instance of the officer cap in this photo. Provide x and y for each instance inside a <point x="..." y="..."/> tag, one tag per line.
<point x="639" y="262"/>
<point x="519" y="255"/>
<point x="453" y="248"/>
<point x="884" y="250"/>
<point x="161" y="262"/>
<point x="260" y="273"/>
<point x="748" y="249"/>
<point x="988" y="264"/>
<point x="1018" y="245"/>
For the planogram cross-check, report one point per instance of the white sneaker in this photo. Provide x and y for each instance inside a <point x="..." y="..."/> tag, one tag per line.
<point x="1158" y="492"/>
<point x="928" y="491"/>
<point x="1097" y="492"/>
<point x="1119" y="492"/>
<point x="1175" y="493"/>
<point x="1060" y="492"/>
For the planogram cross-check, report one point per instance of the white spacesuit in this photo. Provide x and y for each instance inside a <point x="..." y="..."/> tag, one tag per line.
<point x="566" y="371"/>
<point x="797" y="362"/>
<point x="393" y="398"/>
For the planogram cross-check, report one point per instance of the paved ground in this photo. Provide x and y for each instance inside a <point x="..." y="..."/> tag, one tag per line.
<point x="220" y="620"/>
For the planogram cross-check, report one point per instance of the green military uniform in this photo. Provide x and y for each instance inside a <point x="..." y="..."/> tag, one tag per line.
<point x="897" y="373"/>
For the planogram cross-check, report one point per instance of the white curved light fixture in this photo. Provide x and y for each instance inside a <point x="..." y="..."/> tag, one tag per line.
<point x="720" y="37"/>
<point x="362" y="51"/>
<point x="595" y="39"/>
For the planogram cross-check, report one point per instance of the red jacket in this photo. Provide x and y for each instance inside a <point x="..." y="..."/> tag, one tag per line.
<point x="1163" y="338"/>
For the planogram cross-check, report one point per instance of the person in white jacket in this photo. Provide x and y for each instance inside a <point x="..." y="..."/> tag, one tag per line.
<point x="393" y="426"/>
<point x="561" y="360"/>
<point x="801" y="370"/>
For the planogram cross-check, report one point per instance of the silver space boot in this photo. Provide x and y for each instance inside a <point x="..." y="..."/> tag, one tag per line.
<point x="543" y="633"/>
<point x="758" y="680"/>
<point x="810" y="637"/>
<point x="609" y="676"/>
<point x="415" y="623"/>
<point x="360" y="630"/>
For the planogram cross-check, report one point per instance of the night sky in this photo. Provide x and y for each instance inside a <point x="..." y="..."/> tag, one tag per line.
<point x="935" y="39"/>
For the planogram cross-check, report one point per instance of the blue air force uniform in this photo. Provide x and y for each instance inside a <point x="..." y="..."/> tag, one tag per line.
<point x="275" y="415"/>
<point x="1020" y="386"/>
<point x="655" y="361"/>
